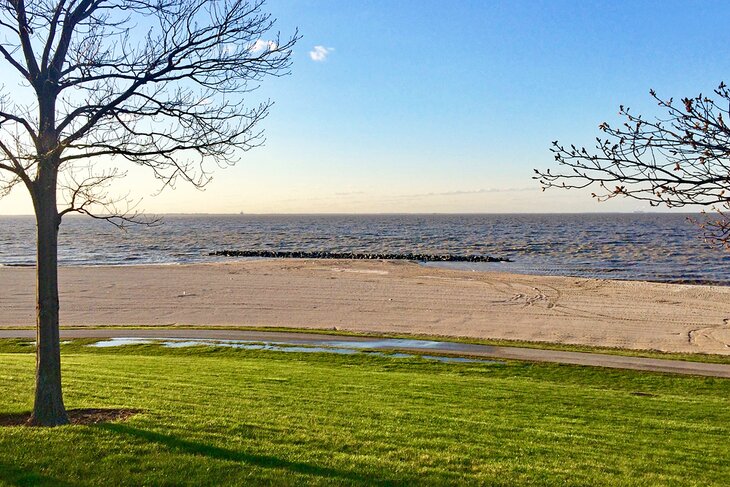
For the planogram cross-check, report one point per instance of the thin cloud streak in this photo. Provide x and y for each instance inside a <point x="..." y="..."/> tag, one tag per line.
<point x="400" y="197"/>
<point x="469" y="192"/>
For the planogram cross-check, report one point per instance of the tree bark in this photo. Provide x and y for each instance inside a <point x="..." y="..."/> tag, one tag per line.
<point x="48" y="409"/>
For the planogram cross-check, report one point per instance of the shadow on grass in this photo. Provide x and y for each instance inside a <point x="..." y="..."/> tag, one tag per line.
<point x="265" y="461"/>
<point x="14" y="475"/>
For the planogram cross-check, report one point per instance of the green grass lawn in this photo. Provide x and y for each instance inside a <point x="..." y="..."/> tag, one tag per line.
<point x="221" y="416"/>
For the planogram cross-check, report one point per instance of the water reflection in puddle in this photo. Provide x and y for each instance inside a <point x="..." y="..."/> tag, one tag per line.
<point x="338" y="347"/>
<point x="119" y="342"/>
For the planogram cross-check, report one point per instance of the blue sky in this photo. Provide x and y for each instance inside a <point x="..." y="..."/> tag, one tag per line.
<point x="425" y="106"/>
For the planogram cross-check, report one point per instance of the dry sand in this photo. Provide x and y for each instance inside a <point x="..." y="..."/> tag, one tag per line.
<point x="379" y="296"/>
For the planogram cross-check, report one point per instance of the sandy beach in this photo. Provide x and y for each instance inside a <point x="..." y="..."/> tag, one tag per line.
<point x="378" y="296"/>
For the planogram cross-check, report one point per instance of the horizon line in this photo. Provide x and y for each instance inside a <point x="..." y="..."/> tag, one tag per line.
<point x="634" y="212"/>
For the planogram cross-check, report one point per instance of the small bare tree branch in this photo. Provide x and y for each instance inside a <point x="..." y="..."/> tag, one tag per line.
<point x="679" y="160"/>
<point x="88" y="194"/>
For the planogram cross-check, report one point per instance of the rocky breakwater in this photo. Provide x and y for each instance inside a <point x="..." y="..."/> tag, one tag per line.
<point x="279" y="254"/>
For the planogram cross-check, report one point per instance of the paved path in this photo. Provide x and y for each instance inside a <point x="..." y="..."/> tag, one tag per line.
<point x="414" y="346"/>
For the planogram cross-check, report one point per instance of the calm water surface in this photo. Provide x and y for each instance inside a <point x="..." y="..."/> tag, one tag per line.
<point x="664" y="247"/>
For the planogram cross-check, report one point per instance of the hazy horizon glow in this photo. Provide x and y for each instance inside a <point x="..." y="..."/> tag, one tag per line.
<point x="415" y="107"/>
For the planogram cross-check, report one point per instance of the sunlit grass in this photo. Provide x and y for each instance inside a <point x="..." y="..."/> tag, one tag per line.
<point x="221" y="416"/>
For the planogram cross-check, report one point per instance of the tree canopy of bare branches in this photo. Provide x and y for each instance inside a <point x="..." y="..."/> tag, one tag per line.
<point x="98" y="84"/>
<point x="678" y="159"/>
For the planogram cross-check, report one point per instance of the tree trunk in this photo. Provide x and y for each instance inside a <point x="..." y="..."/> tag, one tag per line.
<point x="48" y="409"/>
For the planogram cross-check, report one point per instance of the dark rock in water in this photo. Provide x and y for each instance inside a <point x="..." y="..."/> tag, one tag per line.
<point x="282" y="254"/>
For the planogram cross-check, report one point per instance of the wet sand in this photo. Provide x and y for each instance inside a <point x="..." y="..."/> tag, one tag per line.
<point x="401" y="297"/>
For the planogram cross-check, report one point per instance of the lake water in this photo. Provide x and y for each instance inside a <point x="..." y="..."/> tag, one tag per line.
<point x="662" y="247"/>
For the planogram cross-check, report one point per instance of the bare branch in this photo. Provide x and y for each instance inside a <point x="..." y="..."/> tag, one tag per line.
<point x="89" y="195"/>
<point x="24" y="31"/>
<point x="10" y="59"/>
<point x="53" y="26"/>
<point x="679" y="160"/>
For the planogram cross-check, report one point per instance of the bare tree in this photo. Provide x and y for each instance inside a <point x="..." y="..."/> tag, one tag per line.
<point x="156" y="83"/>
<point x="681" y="158"/>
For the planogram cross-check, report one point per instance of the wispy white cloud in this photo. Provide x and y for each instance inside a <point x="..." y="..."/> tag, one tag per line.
<point x="263" y="45"/>
<point x="320" y="53"/>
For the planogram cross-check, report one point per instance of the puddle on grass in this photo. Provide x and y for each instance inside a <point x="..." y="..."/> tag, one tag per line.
<point x="337" y="347"/>
<point x="388" y="343"/>
<point x="460" y="360"/>
<point x="252" y="346"/>
<point x="119" y="342"/>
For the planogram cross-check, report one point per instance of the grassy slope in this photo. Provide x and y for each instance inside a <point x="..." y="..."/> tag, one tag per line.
<point x="223" y="416"/>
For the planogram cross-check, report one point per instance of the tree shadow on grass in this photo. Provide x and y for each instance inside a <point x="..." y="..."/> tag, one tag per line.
<point x="14" y="475"/>
<point x="265" y="461"/>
